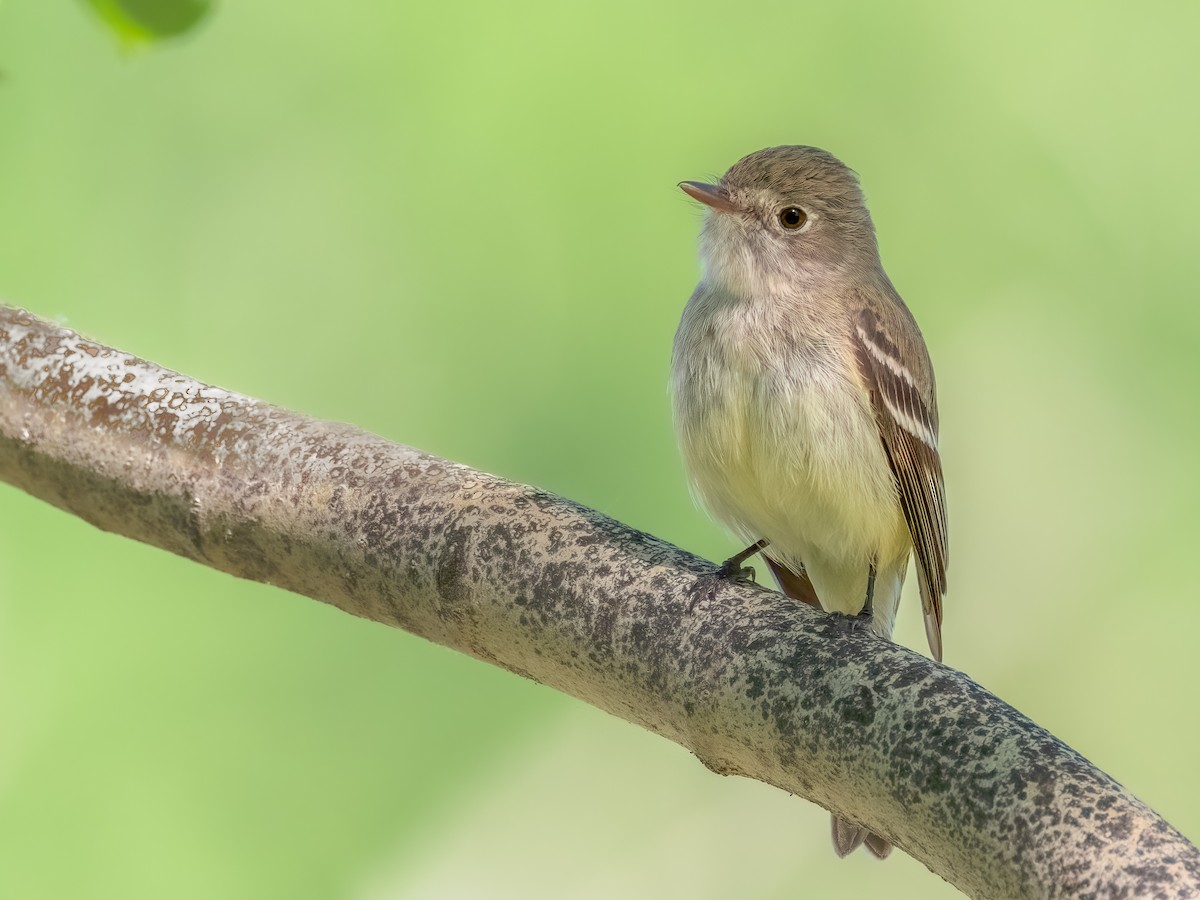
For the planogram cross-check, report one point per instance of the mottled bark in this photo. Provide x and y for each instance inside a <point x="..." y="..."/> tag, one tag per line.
<point x="751" y="682"/>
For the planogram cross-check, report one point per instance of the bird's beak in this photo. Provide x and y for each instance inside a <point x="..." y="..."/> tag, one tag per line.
<point x="709" y="194"/>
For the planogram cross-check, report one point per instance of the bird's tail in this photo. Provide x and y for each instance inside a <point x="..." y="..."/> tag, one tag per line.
<point x="848" y="837"/>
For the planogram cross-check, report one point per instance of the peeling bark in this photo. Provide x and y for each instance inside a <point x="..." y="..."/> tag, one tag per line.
<point x="752" y="683"/>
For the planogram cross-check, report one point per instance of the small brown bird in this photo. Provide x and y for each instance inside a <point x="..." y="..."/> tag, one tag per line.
<point x="804" y="398"/>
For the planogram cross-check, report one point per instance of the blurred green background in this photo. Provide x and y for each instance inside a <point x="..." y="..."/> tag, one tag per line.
<point x="457" y="226"/>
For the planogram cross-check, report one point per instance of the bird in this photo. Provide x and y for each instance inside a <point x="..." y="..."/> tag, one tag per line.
<point x="804" y="399"/>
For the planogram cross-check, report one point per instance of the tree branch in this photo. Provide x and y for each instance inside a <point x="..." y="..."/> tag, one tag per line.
<point x="749" y="681"/>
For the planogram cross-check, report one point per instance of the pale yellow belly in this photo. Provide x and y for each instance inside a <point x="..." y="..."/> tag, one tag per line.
<point x="805" y="470"/>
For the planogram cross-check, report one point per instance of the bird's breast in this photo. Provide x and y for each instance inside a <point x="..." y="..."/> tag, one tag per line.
<point x="777" y="433"/>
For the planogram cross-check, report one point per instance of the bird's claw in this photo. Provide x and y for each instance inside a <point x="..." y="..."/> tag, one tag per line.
<point x="732" y="570"/>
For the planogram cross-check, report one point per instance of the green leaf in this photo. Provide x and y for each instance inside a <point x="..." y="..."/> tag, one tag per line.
<point x="145" y="21"/>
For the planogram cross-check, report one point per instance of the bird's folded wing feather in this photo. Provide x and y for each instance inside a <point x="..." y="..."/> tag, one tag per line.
<point x="908" y="425"/>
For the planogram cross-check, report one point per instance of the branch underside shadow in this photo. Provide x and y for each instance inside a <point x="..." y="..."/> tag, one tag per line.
<point x="749" y="681"/>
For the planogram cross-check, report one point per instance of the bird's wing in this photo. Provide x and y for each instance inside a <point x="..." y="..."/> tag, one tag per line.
<point x="795" y="584"/>
<point x="908" y="427"/>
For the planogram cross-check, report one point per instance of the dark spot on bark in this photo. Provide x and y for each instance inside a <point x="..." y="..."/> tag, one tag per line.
<point x="452" y="567"/>
<point x="754" y="688"/>
<point x="638" y="634"/>
<point x="859" y="707"/>
<point x="1118" y="829"/>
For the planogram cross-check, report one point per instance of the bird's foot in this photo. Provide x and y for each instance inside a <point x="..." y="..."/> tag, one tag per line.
<point x="732" y="570"/>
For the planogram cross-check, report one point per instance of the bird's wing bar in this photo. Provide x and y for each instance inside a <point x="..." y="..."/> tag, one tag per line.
<point x="908" y="428"/>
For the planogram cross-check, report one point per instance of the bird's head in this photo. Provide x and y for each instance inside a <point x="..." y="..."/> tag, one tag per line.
<point x="781" y="216"/>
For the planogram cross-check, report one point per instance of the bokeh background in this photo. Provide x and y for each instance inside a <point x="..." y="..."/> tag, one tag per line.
<point x="457" y="226"/>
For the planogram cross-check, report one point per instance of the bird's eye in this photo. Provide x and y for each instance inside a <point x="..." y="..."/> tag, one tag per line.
<point x="792" y="217"/>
